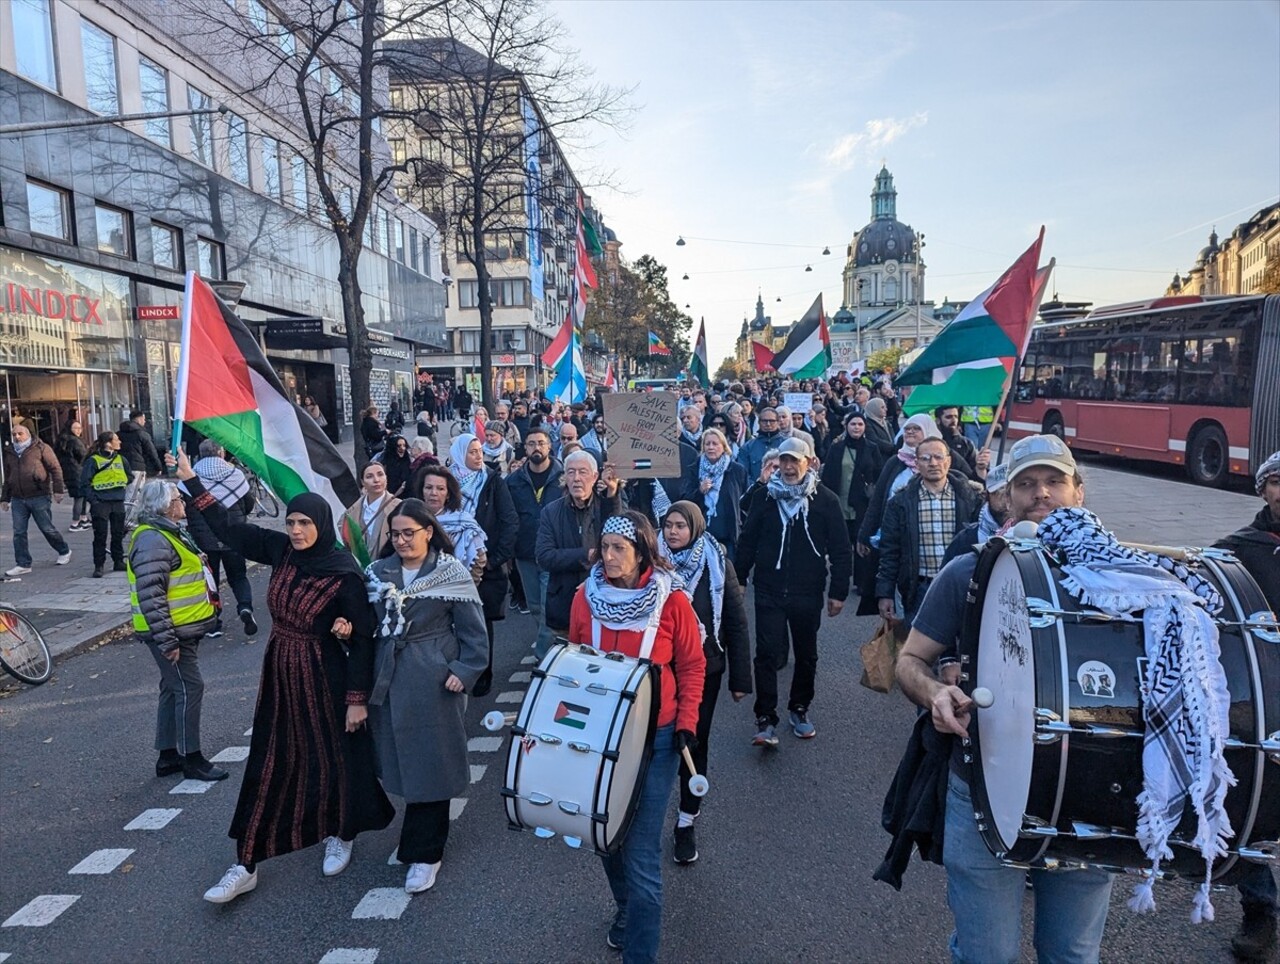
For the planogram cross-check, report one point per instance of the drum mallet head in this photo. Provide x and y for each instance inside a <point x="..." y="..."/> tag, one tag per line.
<point x="982" y="696"/>
<point x="495" y="720"/>
<point x="698" y="784"/>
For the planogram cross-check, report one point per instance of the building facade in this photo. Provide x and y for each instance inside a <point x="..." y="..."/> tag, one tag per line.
<point x="98" y="224"/>
<point x="1234" y="266"/>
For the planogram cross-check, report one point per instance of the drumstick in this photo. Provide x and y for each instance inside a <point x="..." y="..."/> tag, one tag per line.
<point x="698" y="784"/>
<point x="1173" y="552"/>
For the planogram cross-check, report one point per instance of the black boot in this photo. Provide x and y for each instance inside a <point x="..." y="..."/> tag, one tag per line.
<point x="196" y="767"/>
<point x="1256" y="936"/>
<point x="169" y="763"/>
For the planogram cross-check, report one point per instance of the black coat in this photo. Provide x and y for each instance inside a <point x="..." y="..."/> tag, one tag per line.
<point x="879" y="434"/>
<point x="496" y="515"/>
<point x="866" y="471"/>
<point x="869" y="523"/>
<point x="794" y="569"/>
<point x="1257" y="546"/>
<point x="71" y="452"/>
<point x="373" y="433"/>
<point x="138" y="448"/>
<point x="726" y="524"/>
<point x="562" y="552"/>
<point x="964" y="456"/>
<point x="915" y="808"/>
<point x="528" y="507"/>
<point x="733" y="647"/>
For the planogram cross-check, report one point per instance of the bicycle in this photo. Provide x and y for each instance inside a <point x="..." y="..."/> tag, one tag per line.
<point x="23" y="652"/>
<point x="265" y="502"/>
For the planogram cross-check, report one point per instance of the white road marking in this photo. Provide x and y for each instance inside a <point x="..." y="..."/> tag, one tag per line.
<point x="381" y="903"/>
<point x="456" y="806"/>
<point x="193" y="786"/>
<point x="44" y="910"/>
<point x="101" y="862"/>
<point x="522" y="677"/>
<point x="484" y="744"/>
<point x="394" y="859"/>
<point x="510" y="696"/>
<point x="477" y="772"/>
<point x="152" y="819"/>
<point x="529" y="661"/>
<point x="4" y="956"/>
<point x="350" y="955"/>
<point x="249" y="732"/>
<point x="232" y="754"/>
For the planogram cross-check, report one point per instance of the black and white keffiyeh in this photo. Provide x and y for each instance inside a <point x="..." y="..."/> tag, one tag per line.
<point x="448" y="581"/>
<point x="713" y="472"/>
<point x="793" y="501"/>
<point x="222" y="480"/>
<point x="620" y="525"/>
<point x="468" y="538"/>
<point x="703" y="556"/>
<point x="1185" y="697"/>
<point x="626" y="609"/>
<point x="661" y="501"/>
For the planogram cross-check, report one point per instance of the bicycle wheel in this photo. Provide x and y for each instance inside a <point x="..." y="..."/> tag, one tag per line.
<point x="268" y="504"/>
<point x="23" y="652"/>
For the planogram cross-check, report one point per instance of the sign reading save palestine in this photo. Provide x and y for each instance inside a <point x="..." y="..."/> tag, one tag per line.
<point x="228" y="392"/>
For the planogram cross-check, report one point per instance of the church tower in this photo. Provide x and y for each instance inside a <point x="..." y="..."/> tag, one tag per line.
<point x="884" y="198"/>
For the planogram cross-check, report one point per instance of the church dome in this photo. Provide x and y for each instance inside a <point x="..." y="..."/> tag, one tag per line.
<point x="885" y="238"/>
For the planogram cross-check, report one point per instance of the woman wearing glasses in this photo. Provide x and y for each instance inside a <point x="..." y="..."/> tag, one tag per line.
<point x="431" y="649"/>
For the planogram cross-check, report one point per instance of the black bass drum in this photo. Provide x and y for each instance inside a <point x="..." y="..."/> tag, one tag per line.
<point x="1057" y="758"/>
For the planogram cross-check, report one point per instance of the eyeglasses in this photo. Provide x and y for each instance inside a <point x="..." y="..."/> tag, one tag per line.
<point x="405" y="535"/>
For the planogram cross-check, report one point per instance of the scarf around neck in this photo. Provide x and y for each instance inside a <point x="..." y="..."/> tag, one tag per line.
<point x="471" y="481"/>
<point x="627" y="610"/>
<point x="222" y="480"/>
<point x="467" y="536"/>
<point x="703" y="556"/>
<point x="693" y="439"/>
<point x="445" y="579"/>
<point x="793" y="501"/>
<point x="715" y="472"/>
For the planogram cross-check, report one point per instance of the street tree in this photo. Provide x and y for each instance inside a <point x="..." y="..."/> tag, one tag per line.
<point x="629" y="305"/>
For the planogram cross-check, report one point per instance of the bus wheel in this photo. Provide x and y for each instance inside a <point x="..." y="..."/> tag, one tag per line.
<point x="1053" y="426"/>
<point x="1207" y="456"/>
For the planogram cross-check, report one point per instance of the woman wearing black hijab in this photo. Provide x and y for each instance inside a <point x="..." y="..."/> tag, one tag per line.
<point x="310" y="775"/>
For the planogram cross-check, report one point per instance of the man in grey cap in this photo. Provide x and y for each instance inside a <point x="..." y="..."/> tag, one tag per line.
<point x="985" y="895"/>
<point x="1257" y="546"/>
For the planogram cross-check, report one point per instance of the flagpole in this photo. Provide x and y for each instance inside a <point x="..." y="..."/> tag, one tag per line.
<point x="184" y="367"/>
<point x="1042" y="282"/>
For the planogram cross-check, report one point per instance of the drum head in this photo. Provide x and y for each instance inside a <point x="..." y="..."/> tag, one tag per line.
<point x="1006" y="729"/>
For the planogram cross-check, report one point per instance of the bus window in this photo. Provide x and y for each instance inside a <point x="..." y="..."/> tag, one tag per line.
<point x="1209" y="371"/>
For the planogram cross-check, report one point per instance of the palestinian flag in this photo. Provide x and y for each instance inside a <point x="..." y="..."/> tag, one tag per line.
<point x="572" y="714"/>
<point x="228" y="392"/>
<point x="970" y="361"/>
<point x="699" y="370"/>
<point x="807" y="353"/>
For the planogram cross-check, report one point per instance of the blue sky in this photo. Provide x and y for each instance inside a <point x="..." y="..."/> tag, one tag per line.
<point x="1127" y="129"/>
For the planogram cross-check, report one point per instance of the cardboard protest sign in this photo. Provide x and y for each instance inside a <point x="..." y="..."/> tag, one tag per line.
<point x="799" y="403"/>
<point x="643" y="434"/>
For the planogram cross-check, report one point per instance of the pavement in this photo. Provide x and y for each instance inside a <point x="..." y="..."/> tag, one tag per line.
<point x="105" y="863"/>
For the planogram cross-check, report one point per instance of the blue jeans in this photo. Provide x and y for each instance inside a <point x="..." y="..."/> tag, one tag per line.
<point x="38" y="508"/>
<point x="977" y="434"/>
<point x="536" y="599"/>
<point x="635" y="871"/>
<point x="1258" y="889"/>
<point x="985" y="897"/>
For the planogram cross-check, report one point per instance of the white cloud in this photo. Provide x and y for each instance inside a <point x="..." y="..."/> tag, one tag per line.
<point x="876" y="135"/>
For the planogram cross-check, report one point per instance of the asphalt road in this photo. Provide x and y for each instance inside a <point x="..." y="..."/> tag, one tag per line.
<point x="788" y="839"/>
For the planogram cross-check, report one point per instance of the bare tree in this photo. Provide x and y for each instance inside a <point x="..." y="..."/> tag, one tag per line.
<point x="488" y="91"/>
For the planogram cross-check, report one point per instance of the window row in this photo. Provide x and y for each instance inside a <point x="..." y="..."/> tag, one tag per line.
<point x="500" y="339"/>
<point x="503" y="292"/>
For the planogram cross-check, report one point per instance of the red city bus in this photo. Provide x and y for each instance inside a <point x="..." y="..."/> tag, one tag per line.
<point x="1189" y="380"/>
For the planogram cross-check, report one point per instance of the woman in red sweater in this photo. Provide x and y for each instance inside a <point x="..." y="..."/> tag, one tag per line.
<point x="630" y="604"/>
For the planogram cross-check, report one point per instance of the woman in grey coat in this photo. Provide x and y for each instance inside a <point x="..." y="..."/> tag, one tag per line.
<point x="432" y="647"/>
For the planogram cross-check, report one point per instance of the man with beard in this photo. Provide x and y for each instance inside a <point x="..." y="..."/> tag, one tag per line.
<point x="965" y="456"/>
<point x="1257" y="546"/>
<point x="794" y="531"/>
<point x="751" y="455"/>
<point x="535" y="486"/>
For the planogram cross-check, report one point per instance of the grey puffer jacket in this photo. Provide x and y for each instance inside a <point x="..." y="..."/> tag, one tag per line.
<point x="151" y="561"/>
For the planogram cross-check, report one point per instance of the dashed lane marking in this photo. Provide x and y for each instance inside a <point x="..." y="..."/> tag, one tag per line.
<point x="484" y="744"/>
<point x="394" y="859"/>
<point x="522" y="677"/>
<point x="529" y="661"/>
<point x="43" y="910"/>
<point x="456" y="806"/>
<point x="510" y="696"/>
<point x="152" y="819"/>
<point x="193" y="786"/>
<point x="382" y="903"/>
<point x="350" y="955"/>
<point x="232" y="754"/>
<point x="249" y="732"/>
<point x="101" y="862"/>
<point x="4" y="956"/>
<point x="477" y="772"/>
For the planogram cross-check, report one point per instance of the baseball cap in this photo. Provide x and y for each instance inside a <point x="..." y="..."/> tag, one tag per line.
<point x="997" y="477"/>
<point x="1048" y="450"/>
<point x="1268" y="468"/>
<point x="797" y="448"/>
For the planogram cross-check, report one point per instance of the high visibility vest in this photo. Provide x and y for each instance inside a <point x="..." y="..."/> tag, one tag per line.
<point x="189" y="591"/>
<point x="109" y="473"/>
<point x="980" y="414"/>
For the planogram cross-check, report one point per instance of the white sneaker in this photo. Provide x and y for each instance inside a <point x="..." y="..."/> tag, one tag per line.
<point x="337" y="854"/>
<point x="64" y="558"/>
<point x="421" y="877"/>
<point x="17" y="571"/>
<point x="234" y="882"/>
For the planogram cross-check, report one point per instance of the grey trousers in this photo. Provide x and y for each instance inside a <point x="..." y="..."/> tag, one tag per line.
<point x="181" y="694"/>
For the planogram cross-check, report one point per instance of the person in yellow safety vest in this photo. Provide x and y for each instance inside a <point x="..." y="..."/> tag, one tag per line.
<point x="104" y="477"/>
<point x="174" y="604"/>
<point x="976" y="421"/>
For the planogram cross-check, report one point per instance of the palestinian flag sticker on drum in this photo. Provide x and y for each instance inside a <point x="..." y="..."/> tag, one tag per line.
<point x="572" y="714"/>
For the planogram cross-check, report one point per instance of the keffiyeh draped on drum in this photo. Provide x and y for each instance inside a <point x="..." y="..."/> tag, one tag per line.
<point x="1185" y="694"/>
<point x="449" y="580"/>
<point x="626" y="609"/>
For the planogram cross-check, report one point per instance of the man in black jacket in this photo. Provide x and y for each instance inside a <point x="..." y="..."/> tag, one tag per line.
<point x="919" y="523"/>
<point x="136" y="445"/>
<point x="569" y="531"/>
<point x="794" y="529"/>
<point x="535" y="486"/>
<point x="1257" y="546"/>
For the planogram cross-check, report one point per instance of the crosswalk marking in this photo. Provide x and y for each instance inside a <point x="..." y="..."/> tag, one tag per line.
<point x="394" y="858"/>
<point x="232" y="754"/>
<point x="456" y="806"/>
<point x="477" y="772"/>
<point x="510" y="696"/>
<point x="381" y="903"/>
<point x="42" y="910"/>
<point x="350" y="955"/>
<point x="521" y="677"/>
<point x="528" y="661"/>
<point x="152" y="819"/>
<point x="193" y="786"/>
<point x="4" y="956"/>
<point x="249" y="732"/>
<point x="484" y="744"/>
<point x="101" y="862"/>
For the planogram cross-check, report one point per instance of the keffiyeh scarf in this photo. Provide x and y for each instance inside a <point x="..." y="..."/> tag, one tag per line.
<point x="713" y="471"/>
<point x="448" y="581"/>
<point x="468" y="538"/>
<point x="704" y="556"/>
<point x="691" y="438"/>
<point x="1185" y="698"/>
<point x="222" y="480"/>
<point x="661" y="501"/>
<point x="793" y="501"/>
<point x="626" y="610"/>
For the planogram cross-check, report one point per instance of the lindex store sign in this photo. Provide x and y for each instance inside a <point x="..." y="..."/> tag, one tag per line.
<point x="159" y="312"/>
<point x="50" y="303"/>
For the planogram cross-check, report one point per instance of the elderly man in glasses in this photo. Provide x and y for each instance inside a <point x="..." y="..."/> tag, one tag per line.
<point x="919" y="523"/>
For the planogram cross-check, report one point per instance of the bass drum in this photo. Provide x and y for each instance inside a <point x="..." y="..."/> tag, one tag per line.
<point x="1057" y="758"/>
<point x="581" y="745"/>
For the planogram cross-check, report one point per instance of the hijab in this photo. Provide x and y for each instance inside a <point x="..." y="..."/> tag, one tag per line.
<point x="324" y="557"/>
<point x="702" y="556"/>
<point x="471" y="481"/>
<point x="875" y="410"/>
<point x="926" y="424"/>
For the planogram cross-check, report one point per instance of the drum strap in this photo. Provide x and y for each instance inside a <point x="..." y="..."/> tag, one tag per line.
<point x="650" y="629"/>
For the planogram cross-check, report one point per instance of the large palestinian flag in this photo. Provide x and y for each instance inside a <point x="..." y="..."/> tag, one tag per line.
<point x="971" y="360"/>
<point x="228" y="392"/>
<point x="807" y="353"/>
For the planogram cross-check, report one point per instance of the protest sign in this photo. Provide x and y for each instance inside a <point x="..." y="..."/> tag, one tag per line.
<point x="643" y="434"/>
<point x="798" y="402"/>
